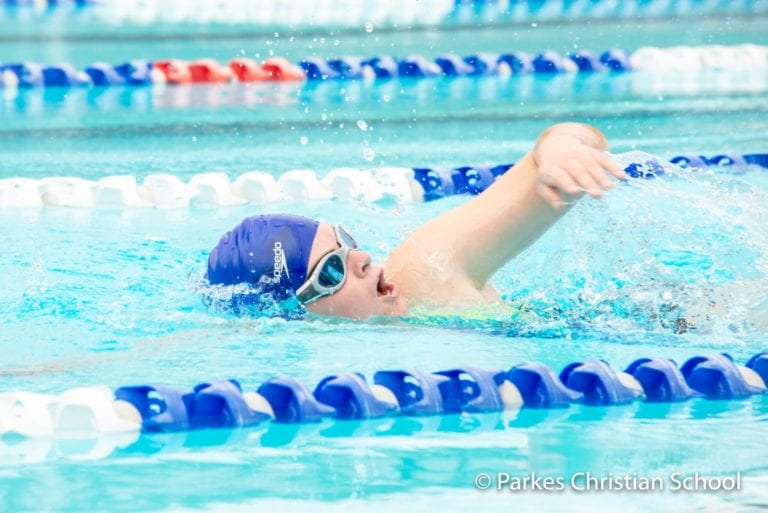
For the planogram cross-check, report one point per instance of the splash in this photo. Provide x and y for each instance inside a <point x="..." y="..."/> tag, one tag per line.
<point x="680" y="250"/>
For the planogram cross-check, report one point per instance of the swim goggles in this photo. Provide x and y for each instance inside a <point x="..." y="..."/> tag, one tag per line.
<point x="330" y="272"/>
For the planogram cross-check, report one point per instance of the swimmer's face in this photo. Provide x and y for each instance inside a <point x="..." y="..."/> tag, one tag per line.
<point x="364" y="294"/>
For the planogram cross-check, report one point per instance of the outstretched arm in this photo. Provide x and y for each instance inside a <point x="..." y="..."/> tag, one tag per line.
<point x="485" y="233"/>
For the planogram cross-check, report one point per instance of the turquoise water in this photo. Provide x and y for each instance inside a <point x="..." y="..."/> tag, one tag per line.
<point x="109" y="296"/>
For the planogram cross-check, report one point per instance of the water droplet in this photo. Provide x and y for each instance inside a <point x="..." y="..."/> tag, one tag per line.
<point x="362" y="125"/>
<point x="303" y="139"/>
<point x="369" y="154"/>
<point x="369" y="27"/>
<point x="324" y="116"/>
<point x="386" y="97"/>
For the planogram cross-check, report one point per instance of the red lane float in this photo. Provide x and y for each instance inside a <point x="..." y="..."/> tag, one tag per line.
<point x="282" y="70"/>
<point x="210" y="71"/>
<point x="248" y="70"/>
<point x="175" y="71"/>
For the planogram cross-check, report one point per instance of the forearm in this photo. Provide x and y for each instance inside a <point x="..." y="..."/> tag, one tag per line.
<point x="504" y="220"/>
<point x="515" y="211"/>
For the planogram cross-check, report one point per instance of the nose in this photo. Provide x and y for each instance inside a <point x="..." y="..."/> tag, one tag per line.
<point x="359" y="262"/>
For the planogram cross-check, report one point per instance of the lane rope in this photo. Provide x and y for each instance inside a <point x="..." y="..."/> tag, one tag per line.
<point x="91" y="411"/>
<point x="245" y="70"/>
<point x="379" y="186"/>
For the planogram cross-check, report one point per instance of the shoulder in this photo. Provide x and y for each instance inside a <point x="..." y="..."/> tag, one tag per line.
<point x="427" y="274"/>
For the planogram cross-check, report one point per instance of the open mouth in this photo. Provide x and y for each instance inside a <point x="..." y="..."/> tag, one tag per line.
<point x="384" y="288"/>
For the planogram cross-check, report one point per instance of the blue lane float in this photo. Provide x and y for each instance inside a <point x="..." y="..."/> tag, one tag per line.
<point x="292" y="402"/>
<point x="382" y="67"/>
<point x="161" y="408"/>
<point x="599" y="384"/>
<point x="540" y="387"/>
<point x="222" y="404"/>
<point x="417" y="393"/>
<point x="471" y="389"/>
<point x="717" y="377"/>
<point x="351" y="397"/>
<point x="661" y="380"/>
<point x="463" y="390"/>
<point x="759" y="364"/>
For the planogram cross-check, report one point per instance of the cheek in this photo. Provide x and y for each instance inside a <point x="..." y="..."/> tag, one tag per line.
<point x="353" y="300"/>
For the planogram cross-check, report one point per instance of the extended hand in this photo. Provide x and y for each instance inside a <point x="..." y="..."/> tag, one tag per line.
<point x="568" y="166"/>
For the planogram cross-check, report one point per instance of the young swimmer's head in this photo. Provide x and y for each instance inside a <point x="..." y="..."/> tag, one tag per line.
<point x="285" y="258"/>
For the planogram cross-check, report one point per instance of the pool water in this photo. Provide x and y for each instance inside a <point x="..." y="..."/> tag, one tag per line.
<point x="105" y="296"/>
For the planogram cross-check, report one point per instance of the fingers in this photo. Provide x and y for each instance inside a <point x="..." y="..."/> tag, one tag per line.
<point x="599" y="177"/>
<point x="591" y="173"/>
<point x="611" y="166"/>
<point x="551" y="196"/>
<point x="561" y="179"/>
<point x="590" y="177"/>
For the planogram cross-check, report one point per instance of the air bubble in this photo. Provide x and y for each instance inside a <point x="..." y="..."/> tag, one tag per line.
<point x="362" y="125"/>
<point x="303" y="139"/>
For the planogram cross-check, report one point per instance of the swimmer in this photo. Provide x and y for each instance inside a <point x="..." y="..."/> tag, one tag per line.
<point x="444" y="265"/>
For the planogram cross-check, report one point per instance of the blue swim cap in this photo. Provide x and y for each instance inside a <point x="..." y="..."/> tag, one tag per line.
<point x="269" y="252"/>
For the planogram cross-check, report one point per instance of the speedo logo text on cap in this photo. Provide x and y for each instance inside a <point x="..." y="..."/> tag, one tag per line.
<point x="280" y="264"/>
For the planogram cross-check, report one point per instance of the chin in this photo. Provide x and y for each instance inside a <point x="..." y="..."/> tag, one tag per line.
<point x="399" y="309"/>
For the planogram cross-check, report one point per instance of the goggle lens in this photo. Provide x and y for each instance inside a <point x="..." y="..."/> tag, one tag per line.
<point x="332" y="272"/>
